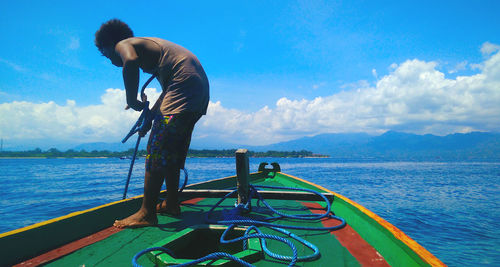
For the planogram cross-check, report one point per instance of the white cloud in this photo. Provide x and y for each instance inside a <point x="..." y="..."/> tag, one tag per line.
<point x="107" y="121"/>
<point x="41" y="75"/>
<point x="414" y="97"/>
<point x="488" y="48"/>
<point x="318" y="85"/>
<point x="13" y="65"/>
<point x="459" y="67"/>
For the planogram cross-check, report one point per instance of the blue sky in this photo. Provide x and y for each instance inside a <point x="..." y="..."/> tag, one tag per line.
<point x="293" y="68"/>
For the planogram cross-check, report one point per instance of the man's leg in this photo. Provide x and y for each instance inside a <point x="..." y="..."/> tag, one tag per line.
<point x="146" y="215"/>
<point x="171" y="204"/>
<point x="181" y="143"/>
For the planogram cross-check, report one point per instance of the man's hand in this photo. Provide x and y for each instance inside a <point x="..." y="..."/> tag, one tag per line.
<point x="137" y="106"/>
<point x="144" y="130"/>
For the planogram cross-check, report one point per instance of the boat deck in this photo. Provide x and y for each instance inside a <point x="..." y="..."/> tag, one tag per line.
<point x="121" y="246"/>
<point x="114" y="247"/>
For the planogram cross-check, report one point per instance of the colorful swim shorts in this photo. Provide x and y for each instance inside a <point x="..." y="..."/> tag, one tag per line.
<point x="169" y="140"/>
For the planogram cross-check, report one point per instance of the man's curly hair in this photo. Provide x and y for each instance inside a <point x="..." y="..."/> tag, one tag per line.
<point x="112" y="32"/>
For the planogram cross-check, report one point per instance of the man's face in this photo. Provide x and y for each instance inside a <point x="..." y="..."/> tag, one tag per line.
<point x="110" y="53"/>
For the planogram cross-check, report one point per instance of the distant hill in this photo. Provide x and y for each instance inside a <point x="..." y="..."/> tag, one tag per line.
<point x="117" y="147"/>
<point x="396" y="145"/>
<point x="213" y="143"/>
<point x="323" y="143"/>
<point x="390" y="145"/>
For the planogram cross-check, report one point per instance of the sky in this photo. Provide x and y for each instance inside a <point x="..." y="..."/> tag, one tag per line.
<point x="278" y="70"/>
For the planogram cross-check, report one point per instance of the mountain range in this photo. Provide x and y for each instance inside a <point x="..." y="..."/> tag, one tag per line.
<point x="390" y="145"/>
<point x="397" y="145"/>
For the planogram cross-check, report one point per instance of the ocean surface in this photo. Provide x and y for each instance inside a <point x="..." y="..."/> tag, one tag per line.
<point x="450" y="208"/>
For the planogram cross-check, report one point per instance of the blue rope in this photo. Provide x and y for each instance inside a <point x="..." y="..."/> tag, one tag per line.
<point x="216" y="256"/>
<point x="308" y="244"/>
<point x="185" y="180"/>
<point x="143" y="122"/>
<point x="212" y="256"/>
<point x="278" y="227"/>
<point x="249" y="222"/>
<point x="142" y="252"/>
<point x="262" y="236"/>
<point x="300" y="216"/>
<point x="244" y="208"/>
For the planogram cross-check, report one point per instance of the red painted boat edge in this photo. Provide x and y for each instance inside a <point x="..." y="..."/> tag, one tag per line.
<point x="423" y="253"/>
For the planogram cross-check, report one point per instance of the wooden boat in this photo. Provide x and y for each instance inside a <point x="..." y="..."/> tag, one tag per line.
<point x="87" y="238"/>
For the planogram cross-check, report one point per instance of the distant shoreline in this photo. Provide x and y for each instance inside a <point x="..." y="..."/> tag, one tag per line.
<point x="1" y="157"/>
<point x="192" y="153"/>
<point x="144" y="157"/>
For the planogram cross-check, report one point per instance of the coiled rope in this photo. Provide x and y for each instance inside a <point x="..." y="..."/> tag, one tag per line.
<point x="258" y="234"/>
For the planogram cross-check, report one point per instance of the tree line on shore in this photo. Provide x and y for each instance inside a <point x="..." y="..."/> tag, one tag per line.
<point x="55" y="153"/>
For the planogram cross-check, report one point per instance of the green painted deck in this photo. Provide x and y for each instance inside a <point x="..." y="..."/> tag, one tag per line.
<point x="119" y="248"/>
<point x="88" y="238"/>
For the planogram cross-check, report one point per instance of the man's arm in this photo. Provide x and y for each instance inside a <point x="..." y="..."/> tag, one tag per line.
<point x="130" y="62"/>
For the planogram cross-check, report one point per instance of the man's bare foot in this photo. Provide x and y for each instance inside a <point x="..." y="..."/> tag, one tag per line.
<point x="136" y="220"/>
<point x="163" y="208"/>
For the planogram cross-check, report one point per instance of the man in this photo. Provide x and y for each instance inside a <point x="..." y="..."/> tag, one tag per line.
<point x="184" y="99"/>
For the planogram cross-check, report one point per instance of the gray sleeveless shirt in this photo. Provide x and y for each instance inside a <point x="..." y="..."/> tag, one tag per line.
<point x="183" y="78"/>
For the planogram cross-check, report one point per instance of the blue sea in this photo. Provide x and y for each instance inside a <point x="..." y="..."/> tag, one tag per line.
<point x="450" y="208"/>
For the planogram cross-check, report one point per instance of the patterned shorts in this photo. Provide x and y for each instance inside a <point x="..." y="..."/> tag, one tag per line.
<point x="169" y="140"/>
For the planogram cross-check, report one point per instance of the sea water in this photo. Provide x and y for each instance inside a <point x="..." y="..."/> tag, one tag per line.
<point x="450" y="208"/>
